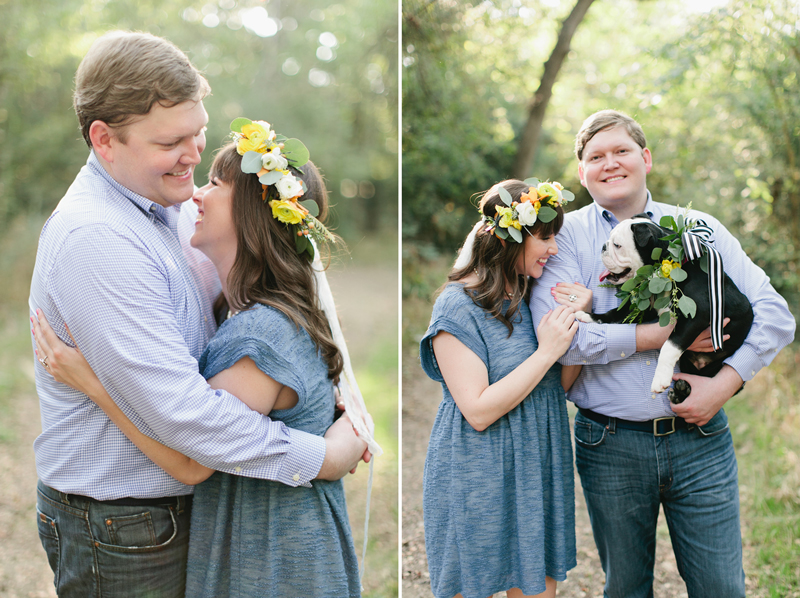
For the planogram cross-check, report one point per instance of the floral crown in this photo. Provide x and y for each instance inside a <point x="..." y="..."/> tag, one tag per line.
<point x="536" y="204"/>
<point x="269" y="156"/>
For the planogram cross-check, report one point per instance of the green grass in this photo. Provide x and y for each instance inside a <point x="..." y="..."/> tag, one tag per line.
<point x="765" y="419"/>
<point x="377" y="380"/>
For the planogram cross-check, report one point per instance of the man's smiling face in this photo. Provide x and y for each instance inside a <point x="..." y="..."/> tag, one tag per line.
<point x="614" y="169"/>
<point x="160" y="152"/>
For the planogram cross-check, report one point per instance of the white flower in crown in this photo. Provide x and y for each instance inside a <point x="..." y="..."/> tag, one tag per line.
<point x="274" y="160"/>
<point x="289" y="187"/>
<point x="526" y="213"/>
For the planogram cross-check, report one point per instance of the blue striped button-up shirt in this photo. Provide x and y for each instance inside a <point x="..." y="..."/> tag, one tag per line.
<point x="615" y="380"/>
<point x="118" y="269"/>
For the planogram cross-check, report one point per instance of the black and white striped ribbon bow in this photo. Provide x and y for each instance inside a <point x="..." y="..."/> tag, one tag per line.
<point x="695" y="240"/>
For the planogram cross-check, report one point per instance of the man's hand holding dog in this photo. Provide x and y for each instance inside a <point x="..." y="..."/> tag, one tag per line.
<point x="708" y="395"/>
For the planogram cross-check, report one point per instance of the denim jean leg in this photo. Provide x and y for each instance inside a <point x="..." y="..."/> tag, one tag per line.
<point x="66" y="540"/>
<point x="111" y="551"/>
<point x="618" y="472"/>
<point x="702" y="510"/>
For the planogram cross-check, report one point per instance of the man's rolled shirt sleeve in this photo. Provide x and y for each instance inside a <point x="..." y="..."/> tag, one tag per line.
<point x="773" y="324"/>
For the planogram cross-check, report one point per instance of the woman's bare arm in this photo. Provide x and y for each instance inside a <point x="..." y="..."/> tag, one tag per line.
<point x="67" y="365"/>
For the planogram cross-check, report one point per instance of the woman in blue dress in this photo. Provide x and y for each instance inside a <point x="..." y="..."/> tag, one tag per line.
<point x="274" y="350"/>
<point x="498" y="484"/>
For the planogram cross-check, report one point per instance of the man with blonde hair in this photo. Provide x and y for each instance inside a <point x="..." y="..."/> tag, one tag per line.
<point x="115" y="264"/>
<point x="635" y="451"/>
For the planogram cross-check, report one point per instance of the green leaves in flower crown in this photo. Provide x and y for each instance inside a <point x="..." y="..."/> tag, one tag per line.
<point x="311" y="206"/>
<point x="546" y="214"/>
<point x="268" y="178"/>
<point x="238" y="123"/>
<point x="514" y="234"/>
<point x="295" y="152"/>
<point x="251" y="162"/>
<point x="304" y="246"/>
<point x="505" y="196"/>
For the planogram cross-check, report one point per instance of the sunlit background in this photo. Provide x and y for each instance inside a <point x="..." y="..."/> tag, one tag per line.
<point x="323" y="72"/>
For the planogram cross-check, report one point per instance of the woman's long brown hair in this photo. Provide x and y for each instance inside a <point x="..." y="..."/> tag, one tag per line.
<point x="494" y="261"/>
<point x="267" y="268"/>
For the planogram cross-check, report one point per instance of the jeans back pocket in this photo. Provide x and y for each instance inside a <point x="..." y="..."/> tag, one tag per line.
<point x="48" y="534"/>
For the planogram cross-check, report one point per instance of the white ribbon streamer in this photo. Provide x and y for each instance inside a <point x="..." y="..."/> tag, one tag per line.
<point x="465" y="255"/>
<point x="354" y="405"/>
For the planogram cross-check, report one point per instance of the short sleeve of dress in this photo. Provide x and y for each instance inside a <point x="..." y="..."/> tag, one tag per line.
<point x="454" y="312"/>
<point x="267" y="337"/>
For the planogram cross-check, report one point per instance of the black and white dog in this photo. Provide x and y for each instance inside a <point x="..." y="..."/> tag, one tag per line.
<point x="630" y="247"/>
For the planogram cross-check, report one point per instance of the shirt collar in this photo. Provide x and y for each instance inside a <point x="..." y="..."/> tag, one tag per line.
<point x="607" y="216"/>
<point x="167" y="215"/>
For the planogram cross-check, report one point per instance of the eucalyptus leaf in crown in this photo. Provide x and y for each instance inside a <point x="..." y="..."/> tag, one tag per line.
<point x="269" y="156"/>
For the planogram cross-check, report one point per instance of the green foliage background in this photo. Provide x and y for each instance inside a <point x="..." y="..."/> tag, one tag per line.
<point x="714" y="84"/>
<point x="716" y="92"/>
<point x="325" y="73"/>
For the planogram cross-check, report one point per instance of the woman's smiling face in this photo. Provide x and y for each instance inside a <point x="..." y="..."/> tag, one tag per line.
<point x="215" y="233"/>
<point x="535" y="253"/>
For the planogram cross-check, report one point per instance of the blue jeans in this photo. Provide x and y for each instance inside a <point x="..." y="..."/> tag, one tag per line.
<point x="102" y="550"/>
<point x="626" y="474"/>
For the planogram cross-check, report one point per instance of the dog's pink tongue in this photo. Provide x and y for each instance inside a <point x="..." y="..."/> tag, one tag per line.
<point x="604" y="274"/>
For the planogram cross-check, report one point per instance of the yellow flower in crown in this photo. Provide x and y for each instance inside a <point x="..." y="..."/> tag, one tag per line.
<point x="668" y="266"/>
<point x="288" y="212"/>
<point x="255" y="137"/>
<point x="507" y="218"/>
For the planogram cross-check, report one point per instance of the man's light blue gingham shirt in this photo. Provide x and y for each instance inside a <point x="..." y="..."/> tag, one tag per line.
<point x="118" y="269"/>
<point x="615" y="379"/>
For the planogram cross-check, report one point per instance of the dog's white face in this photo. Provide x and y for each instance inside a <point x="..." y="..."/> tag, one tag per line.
<point x="620" y="254"/>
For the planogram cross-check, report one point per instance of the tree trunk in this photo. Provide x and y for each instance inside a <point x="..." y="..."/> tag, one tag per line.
<point x="530" y="135"/>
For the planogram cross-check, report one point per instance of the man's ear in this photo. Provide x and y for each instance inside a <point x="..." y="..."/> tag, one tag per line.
<point x="580" y="174"/>
<point x="103" y="140"/>
<point x="648" y="160"/>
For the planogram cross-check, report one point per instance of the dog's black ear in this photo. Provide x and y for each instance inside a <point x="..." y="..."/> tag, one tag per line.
<point x="645" y="235"/>
<point x="644" y="215"/>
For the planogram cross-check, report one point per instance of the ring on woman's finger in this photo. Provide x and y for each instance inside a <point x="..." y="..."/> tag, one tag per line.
<point x="573" y="298"/>
<point x="43" y="361"/>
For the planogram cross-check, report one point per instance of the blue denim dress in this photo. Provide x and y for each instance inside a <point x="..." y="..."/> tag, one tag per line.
<point x="252" y="538"/>
<point x="499" y="505"/>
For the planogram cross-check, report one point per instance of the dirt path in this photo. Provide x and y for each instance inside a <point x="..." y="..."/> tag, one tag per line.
<point x="24" y="572"/>
<point x="421" y="398"/>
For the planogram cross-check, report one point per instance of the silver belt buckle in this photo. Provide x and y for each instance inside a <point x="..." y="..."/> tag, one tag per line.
<point x="655" y="426"/>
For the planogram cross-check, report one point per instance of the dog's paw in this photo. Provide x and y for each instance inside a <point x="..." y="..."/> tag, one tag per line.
<point x="679" y="392"/>
<point x="582" y="316"/>
<point x="661" y="381"/>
